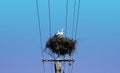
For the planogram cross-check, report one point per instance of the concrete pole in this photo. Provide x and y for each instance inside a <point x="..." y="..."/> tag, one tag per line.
<point x="57" y="66"/>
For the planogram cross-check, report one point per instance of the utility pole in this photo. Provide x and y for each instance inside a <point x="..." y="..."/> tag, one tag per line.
<point x="57" y="67"/>
<point x="57" y="63"/>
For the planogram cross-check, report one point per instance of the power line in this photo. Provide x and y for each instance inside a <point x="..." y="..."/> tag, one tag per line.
<point x="51" y="68"/>
<point x="73" y="18"/>
<point x="77" y="19"/>
<point x="73" y="30"/>
<point x="66" y="17"/>
<point x="72" y="68"/>
<point x="69" y="67"/>
<point x="38" y="15"/>
<point x="49" y="17"/>
<point x="43" y="67"/>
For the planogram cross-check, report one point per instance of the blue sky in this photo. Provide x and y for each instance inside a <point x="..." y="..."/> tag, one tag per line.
<point x="98" y="48"/>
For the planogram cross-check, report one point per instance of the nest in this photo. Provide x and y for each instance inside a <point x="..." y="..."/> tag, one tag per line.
<point x="61" y="45"/>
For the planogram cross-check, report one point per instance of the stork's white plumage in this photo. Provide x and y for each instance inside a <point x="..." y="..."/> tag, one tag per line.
<point x="60" y="33"/>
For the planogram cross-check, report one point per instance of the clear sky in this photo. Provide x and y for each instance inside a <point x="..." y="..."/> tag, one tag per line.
<point x="98" y="48"/>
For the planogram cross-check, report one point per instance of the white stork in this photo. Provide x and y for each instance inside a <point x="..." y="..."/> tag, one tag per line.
<point x="60" y="34"/>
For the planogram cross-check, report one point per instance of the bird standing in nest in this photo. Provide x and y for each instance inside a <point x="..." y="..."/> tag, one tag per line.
<point x="60" y="34"/>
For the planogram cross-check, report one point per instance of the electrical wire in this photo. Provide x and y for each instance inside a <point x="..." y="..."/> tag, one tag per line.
<point x="38" y="15"/>
<point x="49" y="17"/>
<point x="66" y="18"/>
<point x="77" y="19"/>
<point x="49" y="10"/>
<point x="76" y="25"/>
<point x="64" y="65"/>
<point x="72" y="67"/>
<point x="73" y="31"/>
<point x="69" y="67"/>
<point x="72" y="57"/>
<point x="43" y="67"/>
<point x="73" y="18"/>
<point x="51" y="67"/>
